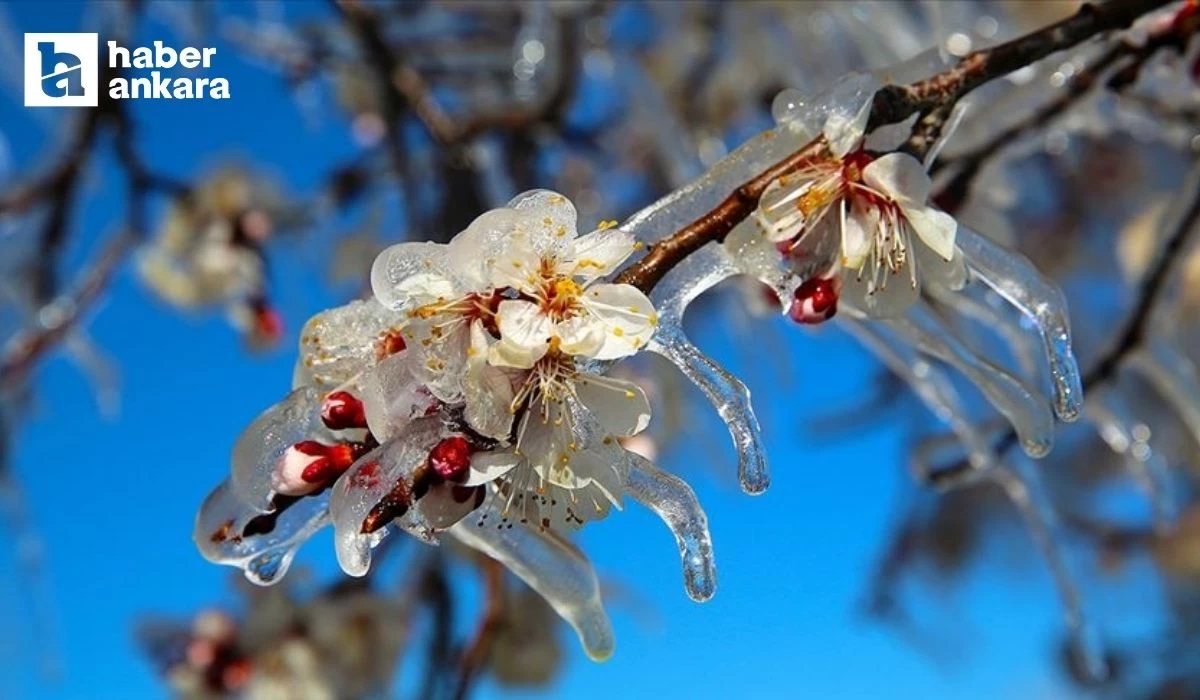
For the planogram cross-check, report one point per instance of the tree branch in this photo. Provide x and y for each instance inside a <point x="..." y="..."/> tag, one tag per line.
<point x="891" y="104"/>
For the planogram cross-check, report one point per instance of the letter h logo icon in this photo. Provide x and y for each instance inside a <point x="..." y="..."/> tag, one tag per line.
<point x="61" y="70"/>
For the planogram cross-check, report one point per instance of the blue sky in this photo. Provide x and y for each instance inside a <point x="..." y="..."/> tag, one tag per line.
<point x="112" y="499"/>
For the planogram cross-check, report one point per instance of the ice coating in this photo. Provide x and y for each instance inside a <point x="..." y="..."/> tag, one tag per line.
<point x="1021" y="484"/>
<point x="265" y="553"/>
<point x="674" y="501"/>
<point x="1111" y="413"/>
<point x="1020" y="342"/>
<point x="1017" y="280"/>
<point x="1028" y="413"/>
<point x="728" y="395"/>
<point x="398" y="267"/>
<point x="260" y="446"/>
<point x="552" y="567"/>
<point x="1172" y="375"/>
<point x="391" y="396"/>
<point x="336" y="345"/>
<point x="932" y="387"/>
<point x="366" y="483"/>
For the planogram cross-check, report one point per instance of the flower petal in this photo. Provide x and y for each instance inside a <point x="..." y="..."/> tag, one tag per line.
<point x="264" y="442"/>
<point x="339" y="344"/>
<point x="392" y="397"/>
<point x="901" y="177"/>
<point x="858" y="235"/>
<point x="474" y="252"/>
<point x="935" y="228"/>
<point x="626" y="314"/>
<point x="488" y="390"/>
<point x="408" y="275"/>
<point x="489" y="466"/>
<point x="597" y="253"/>
<point x="580" y="335"/>
<point x="525" y="334"/>
<point x="621" y="407"/>
<point x="550" y="221"/>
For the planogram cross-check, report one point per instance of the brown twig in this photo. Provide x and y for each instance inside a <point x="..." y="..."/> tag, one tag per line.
<point x="891" y="104"/>
<point x="479" y="648"/>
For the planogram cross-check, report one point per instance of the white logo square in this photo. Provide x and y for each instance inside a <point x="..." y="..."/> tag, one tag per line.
<point x="62" y="69"/>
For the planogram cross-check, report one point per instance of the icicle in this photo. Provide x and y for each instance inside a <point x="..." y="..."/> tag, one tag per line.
<point x="1018" y="281"/>
<point x="931" y="386"/>
<point x="1024" y="490"/>
<point x="264" y="557"/>
<point x="263" y="442"/>
<point x="1027" y="412"/>
<point x="675" y="502"/>
<point x="366" y="483"/>
<point x="700" y="272"/>
<point x="1173" y="376"/>
<point x="1014" y="335"/>
<point x="728" y="395"/>
<point x="552" y="567"/>
<point x="1111" y="414"/>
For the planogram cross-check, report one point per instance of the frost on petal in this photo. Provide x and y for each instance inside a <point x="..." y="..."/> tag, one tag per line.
<point x="627" y="316"/>
<point x="552" y="567"/>
<point x="728" y="395"/>
<point x="596" y="254"/>
<point x="439" y="348"/>
<point x="1027" y="412"/>
<point x="1017" y="280"/>
<point x="262" y="444"/>
<point x="366" y="483"/>
<point x="392" y="397"/>
<point x="408" y="275"/>
<point x="935" y="228"/>
<point x="550" y="221"/>
<point x="621" y="407"/>
<point x="847" y="109"/>
<point x="674" y="501"/>
<point x="525" y="334"/>
<point x="338" y="344"/>
<point x="263" y="546"/>
<point x="487" y="390"/>
<point x="476" y="250"/>
<point x="901" y="177"/>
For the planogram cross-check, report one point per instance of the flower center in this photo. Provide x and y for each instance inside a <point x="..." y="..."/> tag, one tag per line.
<point x="560" y="297"/>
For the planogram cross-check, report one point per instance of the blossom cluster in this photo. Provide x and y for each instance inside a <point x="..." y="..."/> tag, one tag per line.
<point x="469" y="397"/>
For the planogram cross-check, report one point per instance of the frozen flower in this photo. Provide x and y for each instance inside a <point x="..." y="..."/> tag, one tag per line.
<point x="468" y="397"/>
<point x="875" y="209"/>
